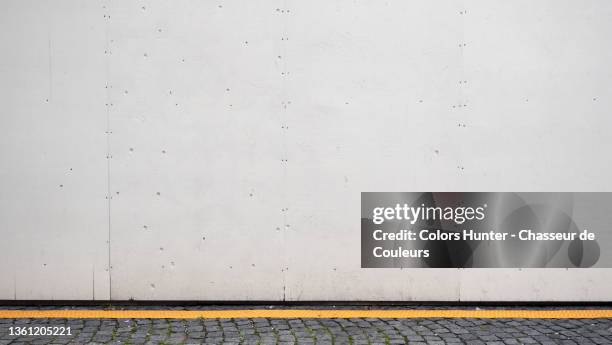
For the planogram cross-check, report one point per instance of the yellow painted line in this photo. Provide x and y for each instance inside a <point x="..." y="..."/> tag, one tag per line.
<point x="309" y="314"/>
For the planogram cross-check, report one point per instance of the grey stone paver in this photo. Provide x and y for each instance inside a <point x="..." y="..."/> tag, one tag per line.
<point x="316" y="331"/>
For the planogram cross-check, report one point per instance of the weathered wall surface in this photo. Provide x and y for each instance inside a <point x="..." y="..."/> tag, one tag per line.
<point x="216" y="150"/>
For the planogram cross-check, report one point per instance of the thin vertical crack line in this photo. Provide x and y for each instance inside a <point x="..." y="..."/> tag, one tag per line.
<point x="50" y="67"/>
<point x="463" y="19"/>
<point x="108" y="155"/>
<point x="462" y="95"/>
<point x="93" y="282"/>
<point x="284" y="122"/>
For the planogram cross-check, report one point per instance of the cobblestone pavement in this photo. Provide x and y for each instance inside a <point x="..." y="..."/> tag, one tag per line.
<point x="315" y="331"/>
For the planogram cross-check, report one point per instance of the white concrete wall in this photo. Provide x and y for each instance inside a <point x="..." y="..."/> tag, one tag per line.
<point x="260" y="122"/>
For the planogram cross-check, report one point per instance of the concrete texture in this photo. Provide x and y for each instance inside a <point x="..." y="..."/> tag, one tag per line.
<point x="216" y="150"/>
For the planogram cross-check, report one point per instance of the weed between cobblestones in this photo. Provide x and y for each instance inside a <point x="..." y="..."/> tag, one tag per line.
<point x="275" y="334"/>
<point x="331" y="335"/>
<point x="113" y="334"/>
<point x="312" y="333"/>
